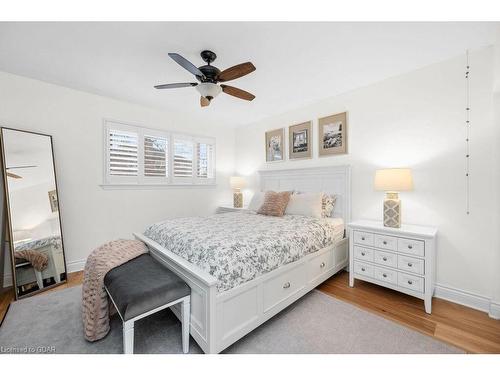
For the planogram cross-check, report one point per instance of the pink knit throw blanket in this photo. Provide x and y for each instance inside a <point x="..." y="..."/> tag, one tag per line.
<point x="95" y="307"/>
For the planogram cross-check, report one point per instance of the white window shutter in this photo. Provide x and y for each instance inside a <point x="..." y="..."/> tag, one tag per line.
<point x="183" y="148"/>
<point x="205" y="161"/>
<point x="155" y="156"/>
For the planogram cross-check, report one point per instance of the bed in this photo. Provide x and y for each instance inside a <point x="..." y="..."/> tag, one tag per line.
<point x="243" y="268"/>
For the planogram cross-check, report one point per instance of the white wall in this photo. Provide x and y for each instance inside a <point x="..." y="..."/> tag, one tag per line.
<point x="414" y="120"/>
<point x="91" y="215"/>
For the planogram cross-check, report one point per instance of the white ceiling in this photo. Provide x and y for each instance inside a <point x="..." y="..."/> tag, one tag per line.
<point x="296" y="63"/>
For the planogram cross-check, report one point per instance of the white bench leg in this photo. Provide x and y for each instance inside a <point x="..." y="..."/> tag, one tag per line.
<point x="128" y="337"/>
<point x="186" y="315"/>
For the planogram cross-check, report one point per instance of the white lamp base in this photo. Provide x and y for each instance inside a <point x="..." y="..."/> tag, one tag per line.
<point x="392" y="210"/>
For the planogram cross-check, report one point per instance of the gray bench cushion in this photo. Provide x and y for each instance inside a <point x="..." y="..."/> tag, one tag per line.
<point x="141" y="285"/>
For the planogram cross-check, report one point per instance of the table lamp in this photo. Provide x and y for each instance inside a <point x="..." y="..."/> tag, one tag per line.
<point x="392" y="181"/>
<point x="237" y="183"/>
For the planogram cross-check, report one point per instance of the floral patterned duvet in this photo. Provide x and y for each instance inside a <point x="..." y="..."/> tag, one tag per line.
<point x="236" y="247"/>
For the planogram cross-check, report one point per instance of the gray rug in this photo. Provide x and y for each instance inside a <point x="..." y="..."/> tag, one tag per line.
<point x="317" y="323"/>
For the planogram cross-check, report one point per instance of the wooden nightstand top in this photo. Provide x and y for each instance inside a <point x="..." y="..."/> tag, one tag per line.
<point x="406" y="229"/>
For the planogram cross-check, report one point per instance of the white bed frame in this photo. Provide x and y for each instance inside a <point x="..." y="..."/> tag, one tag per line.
<point x="220" y="319"/>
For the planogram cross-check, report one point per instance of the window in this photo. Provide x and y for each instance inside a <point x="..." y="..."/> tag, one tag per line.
<point x="141" y="156"/>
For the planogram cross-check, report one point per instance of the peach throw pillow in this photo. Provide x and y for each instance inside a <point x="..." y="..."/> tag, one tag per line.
<point x="274" y="203"/>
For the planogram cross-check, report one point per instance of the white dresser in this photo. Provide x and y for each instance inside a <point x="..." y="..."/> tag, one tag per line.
<point x="403" y="259"/>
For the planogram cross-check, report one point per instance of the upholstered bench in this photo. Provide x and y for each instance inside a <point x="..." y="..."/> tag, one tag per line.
<point x="142" y="287"/>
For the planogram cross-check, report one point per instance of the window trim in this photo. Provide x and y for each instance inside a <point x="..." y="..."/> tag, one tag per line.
<point x="147" y="182"/>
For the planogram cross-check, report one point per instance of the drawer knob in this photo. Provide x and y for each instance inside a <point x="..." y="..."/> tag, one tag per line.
<point x="363" y="253"/>
<point x="384" y="274"/>
<point x="385" y="242"/>
<point x="362" y="238"/>
<point x="410" y="247"/>
<point x="384" y="259"/>
<point x="410" y="264"/>
<point x="323" y="264"/>
<point x="363" y="269"/>
<point x="410" y="282"/>
<point x="286" y="285"/>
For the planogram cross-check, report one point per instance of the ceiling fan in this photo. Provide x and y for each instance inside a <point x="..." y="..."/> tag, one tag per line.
<point x="16" y="176"/>
<point x="209" y="76"/>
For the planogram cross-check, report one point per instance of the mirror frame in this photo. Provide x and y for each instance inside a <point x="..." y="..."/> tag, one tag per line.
<point x="9" y="233"/>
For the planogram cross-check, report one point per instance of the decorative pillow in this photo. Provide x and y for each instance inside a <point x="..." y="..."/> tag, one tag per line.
<point x="274" y="203"/>
<point x="328" y="204"/>
<point x="256" y="201"/>
<point x="306" y="204"/>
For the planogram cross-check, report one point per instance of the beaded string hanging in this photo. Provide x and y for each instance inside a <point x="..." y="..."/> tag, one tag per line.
<point x="467" y="134"/>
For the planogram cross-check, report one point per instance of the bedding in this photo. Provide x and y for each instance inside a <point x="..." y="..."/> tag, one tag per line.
<point x="274" y="203"/>
<point x="237" y="247"/>
<point x="307" y="204"/>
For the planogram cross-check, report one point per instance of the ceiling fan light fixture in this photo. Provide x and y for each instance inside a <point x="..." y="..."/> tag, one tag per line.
<point x="209" y="90"/>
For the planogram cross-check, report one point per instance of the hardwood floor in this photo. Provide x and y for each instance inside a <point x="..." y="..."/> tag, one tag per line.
<point x="457" y="325"/>
<point x="454" y="324"/>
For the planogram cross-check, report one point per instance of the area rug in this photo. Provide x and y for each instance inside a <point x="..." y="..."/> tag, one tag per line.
<point x="317" y="323"/>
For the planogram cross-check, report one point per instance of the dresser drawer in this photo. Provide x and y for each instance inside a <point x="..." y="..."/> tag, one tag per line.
<point x="386" y="242"/>
<point x="385" y="258"/>
<point x="413" y="247"/>
<point x="363" y="238"/>
<point x="411" y="282"/>
<point x="283" y="286"/>
<point x="410" y="264"/>
<point x="363" y="269"/>
<point x="363" y="253"/>
<point x="319" y="265"/>
<point x="386" y="275"/>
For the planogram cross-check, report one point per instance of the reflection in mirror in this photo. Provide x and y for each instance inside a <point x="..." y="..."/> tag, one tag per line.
<point x="37" y="253"/>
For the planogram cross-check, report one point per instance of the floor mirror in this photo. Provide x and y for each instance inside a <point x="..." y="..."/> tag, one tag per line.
<point x="33" y="221"/>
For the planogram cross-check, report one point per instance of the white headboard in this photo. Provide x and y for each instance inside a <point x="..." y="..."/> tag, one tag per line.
<point x="332" y="179"/>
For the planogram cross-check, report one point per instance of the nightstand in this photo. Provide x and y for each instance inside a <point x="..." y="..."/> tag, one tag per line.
<point x="403" y="259"/>
<point x="223" y="209"/>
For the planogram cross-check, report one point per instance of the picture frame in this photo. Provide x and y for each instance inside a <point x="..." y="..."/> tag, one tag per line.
<point x="300" y="141"/>
<point x="275" y="145"/>
<point x="332" y="135"/>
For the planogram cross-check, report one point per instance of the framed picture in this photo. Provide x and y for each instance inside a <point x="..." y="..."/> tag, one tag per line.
<point x="300" y="140"/>
<point x="53" y="200"/>
<point x="275" y="144"/>
<point x="332" y="134"/>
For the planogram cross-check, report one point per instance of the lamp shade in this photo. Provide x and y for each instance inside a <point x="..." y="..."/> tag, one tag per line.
<point x="237" y="182"/>
<point x="394" y="179"/>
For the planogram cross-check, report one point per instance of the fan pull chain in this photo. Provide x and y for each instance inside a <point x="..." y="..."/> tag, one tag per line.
<point x="467" y="134"/>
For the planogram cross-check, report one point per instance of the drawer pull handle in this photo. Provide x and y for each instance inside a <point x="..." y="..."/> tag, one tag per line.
<point x="363" y="253"/>
<point x="286" y="285"/>
<point x="384" y="274"/>
<point x="363" y="269"/>
<point x="410" y="264"/>
<point x="410" y="247"/>
<point x="323" y="264"/>
<point x="385" y="242"/>
<point x="384" y="259"/>
<point x="410" y="282"/>
<point x="362" y="238"/>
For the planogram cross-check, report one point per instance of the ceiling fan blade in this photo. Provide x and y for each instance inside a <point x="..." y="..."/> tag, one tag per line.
<point x="236" y="71"/>
<point x="175" y="85"/>
<point x="13" y="175"/>
<point x="186" y="64"/>
<point x="22" y="166"/>
<point x="239" y="93"/>
<point x="204" y="102"/>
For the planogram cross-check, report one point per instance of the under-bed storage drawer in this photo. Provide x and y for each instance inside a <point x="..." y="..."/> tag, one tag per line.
<point x="319" y="265"/>
<point x="284" y="285"/>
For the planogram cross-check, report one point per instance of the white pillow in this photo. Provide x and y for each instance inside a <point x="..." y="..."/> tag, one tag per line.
<point x="306" y="204"/>
<point x="257" y="200"/>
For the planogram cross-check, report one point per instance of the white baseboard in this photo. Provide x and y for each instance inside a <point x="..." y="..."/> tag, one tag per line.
<point x="494" y="310"/>
<point x="76" y="265"/>
<point x="468" y="299"/>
